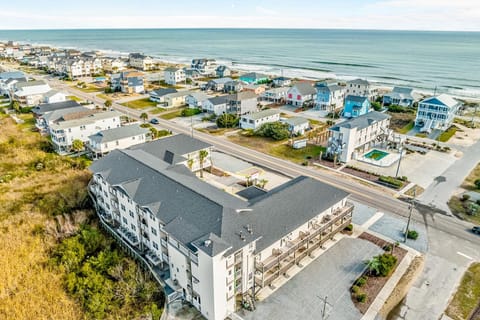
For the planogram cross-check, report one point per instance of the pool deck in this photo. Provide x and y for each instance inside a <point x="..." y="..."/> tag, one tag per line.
<point x="385" y="161"/>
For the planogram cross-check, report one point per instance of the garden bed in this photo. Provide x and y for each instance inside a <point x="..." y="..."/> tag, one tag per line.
<point x="373" y="285"/>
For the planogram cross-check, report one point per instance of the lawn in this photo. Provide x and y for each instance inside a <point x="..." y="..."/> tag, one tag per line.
<point x="405" y="129"/>
<point x="467" y="296"/>
<point x="279" y="149"/>
<point x="88" y="89"/>
<point x="400" y="121"/>
<point x="104" y="96"/>
<point x="172" y="115"/>
<point x="74" y="98"/>
<point x="469" y="182"/>
<point x="157" y="110"/>
<point x="460" y="209"/>
<point x="447" y="134"/>
<point x="140" y="104"/>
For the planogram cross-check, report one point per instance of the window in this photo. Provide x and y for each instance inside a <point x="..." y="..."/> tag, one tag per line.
<point x="125" y="220"/>
<point x="122" y="207"/>
<point x="155" y="245"/>
<point x="130" y="212"/>
<point x="133" y="227"/>
<point x="154" y="231"/>
<point x="117" y="143"/>
<point x="299" y="97"/>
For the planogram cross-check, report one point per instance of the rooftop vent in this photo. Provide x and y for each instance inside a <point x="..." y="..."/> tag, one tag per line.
<point x="249" y="229"/>
<point x="243" y="210"/>
<point x="242" y="236"/>
<point x="207" y="243"/>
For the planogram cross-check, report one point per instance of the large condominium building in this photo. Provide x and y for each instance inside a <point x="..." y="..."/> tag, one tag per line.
<point x="218" y="249"/>
<point x="436" y="112"/>
<point x="80" y="126"/>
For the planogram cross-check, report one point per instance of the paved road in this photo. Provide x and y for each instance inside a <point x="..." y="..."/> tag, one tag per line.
<point x="440" y="191"/>
<point x="379" y="198"/>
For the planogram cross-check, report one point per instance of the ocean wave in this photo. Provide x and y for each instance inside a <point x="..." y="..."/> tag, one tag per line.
<point x="345" y="64"/>
<point x="284" y="66"/>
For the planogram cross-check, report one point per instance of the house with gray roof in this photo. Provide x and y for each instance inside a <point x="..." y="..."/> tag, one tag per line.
<point x="102" y="142"/>
<point x="255" y="120"/>
<point x="399" y="96"/>
<point x="330" y="96"/>
<point x="362" y="88"/>
<point x="301" y="93"/>
<point x="297" y="125"/>
<point x="217" y="248"/>
<point x="352" y="138"/>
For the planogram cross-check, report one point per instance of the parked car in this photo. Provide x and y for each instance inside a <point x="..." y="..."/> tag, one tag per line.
<point x="476" y="229"/>
<point x="154" y="121"/>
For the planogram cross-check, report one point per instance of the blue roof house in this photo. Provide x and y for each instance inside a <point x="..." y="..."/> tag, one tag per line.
<point x="254" y="78"/>
<point x="356" y="106"/>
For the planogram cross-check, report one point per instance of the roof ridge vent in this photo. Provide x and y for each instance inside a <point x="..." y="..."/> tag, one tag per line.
<point x="243" y="210"/>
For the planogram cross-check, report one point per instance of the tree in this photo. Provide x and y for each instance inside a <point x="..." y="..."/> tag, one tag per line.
<point x="373" y="265"/>
<point x="15" y="105"/>
<point x="202" y="155"/>
<point x="275" y="130"/>
<point x="227" y="121"/>
<point x="144" y="116"/>
<point x="262" y="183"/>
<point x="77" y="145"/>
<point x="108" y="103"/>
<point x="477" y="183"/>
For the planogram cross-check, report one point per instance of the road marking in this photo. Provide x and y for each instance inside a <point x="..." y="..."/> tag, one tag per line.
<point x="464" y="255"/>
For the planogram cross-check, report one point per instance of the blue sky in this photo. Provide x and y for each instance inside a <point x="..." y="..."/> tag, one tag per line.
<point x="354" y="14"/>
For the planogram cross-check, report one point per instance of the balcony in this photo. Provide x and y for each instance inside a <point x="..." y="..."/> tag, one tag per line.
<point x="129" y="236"/>
<point x="283" y="259"/>
<point x="153" y="258"/>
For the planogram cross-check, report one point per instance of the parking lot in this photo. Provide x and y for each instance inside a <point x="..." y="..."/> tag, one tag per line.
<point x="331" y="274"/>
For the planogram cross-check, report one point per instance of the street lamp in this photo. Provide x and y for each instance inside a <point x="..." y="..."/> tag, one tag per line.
<point x="399" y="161"/>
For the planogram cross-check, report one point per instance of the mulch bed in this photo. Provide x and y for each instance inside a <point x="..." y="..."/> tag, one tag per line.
<point x="361" y="174"/>
<point x="327" y="163"/>
<point x="218" y="172"/>
<point x="374" y="284"/>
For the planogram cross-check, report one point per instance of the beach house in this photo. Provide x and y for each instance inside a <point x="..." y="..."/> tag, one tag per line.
<point x="217" y="84"/>
<point x="219" y="250"/>
<point x="300" y="93"/>
<point x="242" y="103"/>
<point x="254" y="77"/>
<point x="104" y="141"/>
<point x="436" y="112"/>
<point x="257" y="119"/>
<point x="80" y="126"/>
<point x="223" y="71"/>
<point x="233" y="86"/>
<point x="128" y="82"/>
<point x="330" y="96"/>
<point x="297" y="125"/>
<point x="45" y="113"/>
<point x="176" y="99"/>
<point x="282" y="81"/>
<point x="353" y="137"/>
<point x="158" y="95"/>
<point x="173" y="76"/>
<point x="53" y="96"/>
<point x="356" y="106"/>
<point x="206" y="67"/>
<point x="399" y="96"/>
<point x="141" y="62"/>
<point x="30" y="93"/>
<point x="276" y="95"/>
<point x="195" y="99"/>
<point x="361" y="88"/>
<point x="258" y="89"/>
<point x="216" y="105"/>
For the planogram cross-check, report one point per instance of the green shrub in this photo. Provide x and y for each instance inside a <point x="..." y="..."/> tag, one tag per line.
<point x="396" y="183"/>
<point x="227" y="121"/>
<point x="361" y="297"/>
<point x="465" y="197"/>
<point x="355" y="289"/>
<point x="382" y="264"/>
<point x="349" y="227"/>
<point x="478" y="202"/>
<point x="275" y="130"/>
<point x="387" y="247"/>
<point x="412" y="234"/>
<point x="477" y="183"/>
<point x="361" y="281"/>
<point x="188" y="112"/>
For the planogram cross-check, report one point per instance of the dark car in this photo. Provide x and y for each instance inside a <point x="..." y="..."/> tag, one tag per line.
<point x="476" y="229"/>
<point x="154" y="121"/>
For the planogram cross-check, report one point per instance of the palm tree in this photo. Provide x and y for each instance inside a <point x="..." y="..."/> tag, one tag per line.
<point x="190" y="163"/>
<point x="262" y="183"/>
<point x="144" y="116"/>
<point x="108" y="103"/>
<point x="373" y="266"/>
<point x="202" y="155"/>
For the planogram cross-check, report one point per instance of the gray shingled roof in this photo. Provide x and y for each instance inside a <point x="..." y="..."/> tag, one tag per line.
<point x="362" y="121"/>
<point x="163" y="92"/>
<point x="56" y="115"/>
<point x="305" y="88"/>
<point x="218" y="100"/>
<point x="359" y="81"/>
<point x="262" y="114"/>
<point x="295" y="121"/>
<point x="21" y="85"/>
<point x="204" y="217"/>
<point x="49" y="107"/>
<point x="118" y="133"/>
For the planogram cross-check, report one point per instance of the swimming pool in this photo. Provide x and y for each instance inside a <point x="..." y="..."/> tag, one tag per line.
<point x="376" y="154"/>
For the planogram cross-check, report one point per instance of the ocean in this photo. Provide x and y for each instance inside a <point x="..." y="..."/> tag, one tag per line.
<point x="445" y="61"/>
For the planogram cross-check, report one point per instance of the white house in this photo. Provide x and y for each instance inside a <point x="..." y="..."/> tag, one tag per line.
<point x="297" y="125"/>
<point x="195" y="99"/>
<point x="220" y="250"/>
<point x="141" y="62"/>
<point x="282" y="81"/>
<point x="301" y="93"/>
<point x="217" y="84"/>
<point x="216" y="105"/>
<point x="105" y="141"/>
<point x="361" y="88"/>
<point x="436" y="112"/>
<point x="257" y="119"/>
<point x="30" y="93"/>
<point x="204" y="66"/>
<point x="54" y="96"/>
<point x="67" y="129"/>
<point x="275" y="95"/>
<point x="159" y="95"/>
<point x="173" y="76"/>
<point x="353" y="137"/>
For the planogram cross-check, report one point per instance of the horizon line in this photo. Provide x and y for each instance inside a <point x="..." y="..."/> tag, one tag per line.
<point x="235" y="28"/>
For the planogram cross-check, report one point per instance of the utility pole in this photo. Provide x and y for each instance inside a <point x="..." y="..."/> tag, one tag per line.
<point x="191" y="124"/>
<point x="399" y="160"/>
<point x="410" y="213"/>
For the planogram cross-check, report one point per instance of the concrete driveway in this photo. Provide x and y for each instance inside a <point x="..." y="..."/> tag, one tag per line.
<point x="330" y="274"/>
